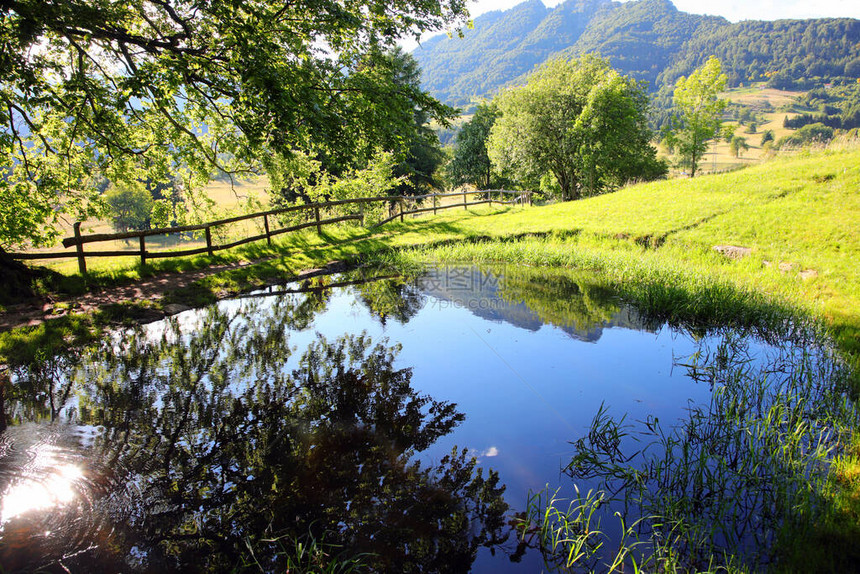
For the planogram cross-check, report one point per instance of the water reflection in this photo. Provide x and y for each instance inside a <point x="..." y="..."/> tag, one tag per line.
<point x="56" y="488"/>
<point x="222" y="448"/>
<point x="530" y="298"/>
<point x="224" y="438"/>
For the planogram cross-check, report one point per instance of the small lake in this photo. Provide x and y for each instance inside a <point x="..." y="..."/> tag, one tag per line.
<point x="400" y="422"/>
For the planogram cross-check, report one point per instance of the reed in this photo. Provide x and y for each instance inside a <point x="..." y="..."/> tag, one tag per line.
<point x="724" y="489"/>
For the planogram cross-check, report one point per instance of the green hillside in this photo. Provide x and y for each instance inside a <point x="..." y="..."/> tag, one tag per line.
<point x="800" y="217"/>
<point x="648" y="39"/>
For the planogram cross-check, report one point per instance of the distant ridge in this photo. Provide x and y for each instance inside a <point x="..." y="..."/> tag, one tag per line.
<point x="650" y="40"/>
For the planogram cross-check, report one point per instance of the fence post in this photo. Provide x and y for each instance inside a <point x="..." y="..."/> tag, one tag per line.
<point x="400" y="202"/>
<point x="530" y="198"/>
<point x="317" y="215"/>
<point x="82" y="262"/>
<point x="361" y="212"/>
<point x="266" y="226"/>
<point x="142" y="249"/>
<point x="209" y="241"/>
<point x="434" y="204"/>
<point x="490" y="196"/>
<point x="464" y="200"/>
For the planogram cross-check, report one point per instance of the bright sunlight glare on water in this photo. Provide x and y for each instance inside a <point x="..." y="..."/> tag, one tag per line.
<point x="41" y="492"/>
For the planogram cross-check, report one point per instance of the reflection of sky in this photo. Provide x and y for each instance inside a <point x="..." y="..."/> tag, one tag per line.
<point x="525" y="394"/>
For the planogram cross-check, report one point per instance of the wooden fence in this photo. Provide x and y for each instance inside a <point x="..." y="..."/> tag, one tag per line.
<point x="268" y="218"/>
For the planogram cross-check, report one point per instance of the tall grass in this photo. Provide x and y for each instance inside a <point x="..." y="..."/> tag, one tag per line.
<point x="726" y="487"/>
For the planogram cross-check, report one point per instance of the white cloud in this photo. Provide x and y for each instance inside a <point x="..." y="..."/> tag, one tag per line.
<point x="490" y="452"/>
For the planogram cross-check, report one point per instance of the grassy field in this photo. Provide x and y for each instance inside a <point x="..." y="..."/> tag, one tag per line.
<point x="226" y="198"/>
<point x="798" y="217"/>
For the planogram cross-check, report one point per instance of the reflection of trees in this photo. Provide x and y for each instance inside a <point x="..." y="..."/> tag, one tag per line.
<point x="397" y="298"/>
<point x="228" y="448"/>
<point x="558" y="297"/>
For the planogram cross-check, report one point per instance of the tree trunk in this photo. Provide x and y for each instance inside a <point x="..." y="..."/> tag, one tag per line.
<point x="17" y="279"/>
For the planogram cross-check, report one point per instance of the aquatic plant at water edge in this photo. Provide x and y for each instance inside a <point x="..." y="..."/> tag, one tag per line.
<point x="719" y="489"/>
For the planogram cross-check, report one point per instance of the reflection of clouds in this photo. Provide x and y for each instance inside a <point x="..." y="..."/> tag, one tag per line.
<point x="490" y="452"/>
<point x="41" y="493"/>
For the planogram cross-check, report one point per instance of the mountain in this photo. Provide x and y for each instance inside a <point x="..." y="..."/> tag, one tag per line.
<point x="649" y="40"/>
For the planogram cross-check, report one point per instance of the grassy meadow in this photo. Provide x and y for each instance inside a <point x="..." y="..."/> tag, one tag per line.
<point x="765" y="102"/>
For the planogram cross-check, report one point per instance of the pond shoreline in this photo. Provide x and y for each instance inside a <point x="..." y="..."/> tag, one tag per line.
<point x="148" y="294"/>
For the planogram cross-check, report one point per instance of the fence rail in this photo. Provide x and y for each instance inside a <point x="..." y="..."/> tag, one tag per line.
<point x="78" y="240"/>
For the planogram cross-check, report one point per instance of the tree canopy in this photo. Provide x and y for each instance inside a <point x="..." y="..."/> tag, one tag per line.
<point x="119" y="89"/>
<point x="699" y="113"/>
<point x="471" y="162"/>
<point x="578" y="120"/>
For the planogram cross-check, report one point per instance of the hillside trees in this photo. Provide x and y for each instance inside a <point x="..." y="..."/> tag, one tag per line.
<point x="154" y="89"/>
<point x="698" y="112"/>
<point x="738" y="146"/>
<point x="578" y="120"/>
<point x="471" y="161"/>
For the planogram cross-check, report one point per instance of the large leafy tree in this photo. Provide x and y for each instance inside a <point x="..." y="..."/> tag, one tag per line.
<point x="471" y="161"/>
<point x="699" y="113"/>
<point x="147" y="89"/>
<point x="419" y="153"/>
<point x="578" y="120"/>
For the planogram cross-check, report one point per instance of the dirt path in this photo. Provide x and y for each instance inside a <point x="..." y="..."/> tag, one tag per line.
<point x="152" y="289"/>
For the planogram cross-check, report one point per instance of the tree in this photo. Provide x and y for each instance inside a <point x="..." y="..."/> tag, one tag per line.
<point x="419" y="152"/>
<point x="767" y="136"/>
<point x="699" y="112"/>
<point x="130" y="206"/>
<point x="813" y="134"/>
<point x="471" y="161"/>
<point x="578" y="120"/>
<point x="134" y="90"/>
<point x="738" y="145"/>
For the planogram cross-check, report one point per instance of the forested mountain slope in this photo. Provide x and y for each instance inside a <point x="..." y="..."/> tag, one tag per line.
<point x="648" y="39"/>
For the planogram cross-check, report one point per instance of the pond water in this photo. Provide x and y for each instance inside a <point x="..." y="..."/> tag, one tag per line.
<point x="404" y="422"/>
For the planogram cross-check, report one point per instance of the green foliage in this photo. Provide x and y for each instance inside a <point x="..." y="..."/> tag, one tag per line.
<point x="649" y="40"/>
<point x="579" y="120"/>
<point x="149" y="90"/>
<point x="130" y="206"/>
<point x="738" y="146"/>
<point x="298" y="179"/>
<point x="699" y="113"/>
<point x="471" y="161"/>
<point x="767" y="136"/>
<point x="414" y="143"/>
<point x="725" y="481"/>
<point x="812" y="134"/>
